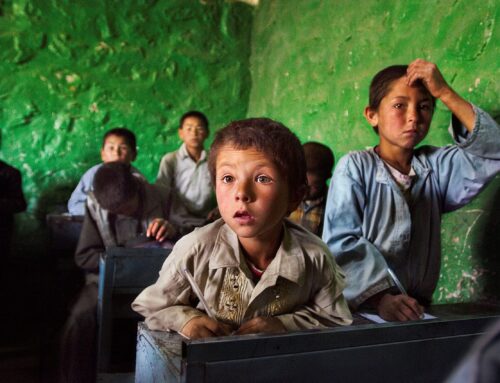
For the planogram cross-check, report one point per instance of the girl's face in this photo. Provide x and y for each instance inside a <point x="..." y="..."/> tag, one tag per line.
<point x="403" y="116"/>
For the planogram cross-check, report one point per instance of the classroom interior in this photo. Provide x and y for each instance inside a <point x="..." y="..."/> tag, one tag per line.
<point x="70" y="70"/>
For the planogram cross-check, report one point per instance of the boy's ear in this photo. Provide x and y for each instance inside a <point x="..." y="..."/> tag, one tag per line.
<point x="371" y="116"/>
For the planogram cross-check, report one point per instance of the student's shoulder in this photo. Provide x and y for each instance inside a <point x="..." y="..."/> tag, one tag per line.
<point x="169" y="157"/>
<point x="357" y="162"/>
<point x="310" y="243"/>
<point x="90" y="172"/>
<point x="202" y="239"/>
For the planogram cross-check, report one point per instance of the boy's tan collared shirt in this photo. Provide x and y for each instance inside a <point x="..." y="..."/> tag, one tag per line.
<point x="302" y="286"/>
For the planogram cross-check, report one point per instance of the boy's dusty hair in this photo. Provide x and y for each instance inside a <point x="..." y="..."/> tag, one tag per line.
<point x="115" y="185"/>
<point x="319" y="159"/>
<point x="126" y="134"/>
<point x="194" y="113"/>
<point x="267" y="136"/>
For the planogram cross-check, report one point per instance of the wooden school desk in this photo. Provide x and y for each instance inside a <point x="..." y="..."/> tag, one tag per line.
<point x="420" y="351"/>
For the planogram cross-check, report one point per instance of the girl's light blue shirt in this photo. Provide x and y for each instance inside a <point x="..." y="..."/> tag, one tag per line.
<point x="369" y="225"/>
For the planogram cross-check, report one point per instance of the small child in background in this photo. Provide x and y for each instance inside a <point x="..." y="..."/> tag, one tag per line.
<point x="118" y="144"/>
<point x="184" y="179"/>
<point x="319" y="164"/>
<point x="385" y="204"/>
<point x="257" y="271"/>
<point x="120" y="208"/>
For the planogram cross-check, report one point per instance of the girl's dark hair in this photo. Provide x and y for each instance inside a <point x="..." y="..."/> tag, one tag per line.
<point x="114" y="185"/>
<point x="194" y="113"/>
<point x="382" y="81"/>
<point x="269" y="137"/>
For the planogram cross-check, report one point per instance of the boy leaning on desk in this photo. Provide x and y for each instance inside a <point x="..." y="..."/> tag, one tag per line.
<point x="253" y="270"/>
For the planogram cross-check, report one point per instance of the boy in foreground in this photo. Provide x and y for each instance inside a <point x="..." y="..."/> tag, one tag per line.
<point x="257" y="271"/>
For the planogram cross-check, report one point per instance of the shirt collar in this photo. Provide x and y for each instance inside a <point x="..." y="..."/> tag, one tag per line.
<point x="289" y="262"/>
<point x="184" y="153"/>
<point x="383" y="174"/>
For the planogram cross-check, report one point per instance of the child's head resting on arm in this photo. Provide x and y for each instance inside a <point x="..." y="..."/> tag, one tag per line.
<point x="119" y="144"/>
<point x="116" y="189"/>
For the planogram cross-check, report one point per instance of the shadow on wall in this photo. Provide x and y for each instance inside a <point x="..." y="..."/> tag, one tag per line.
<point x="488" y="245"/>
<point x="54" y="199"/>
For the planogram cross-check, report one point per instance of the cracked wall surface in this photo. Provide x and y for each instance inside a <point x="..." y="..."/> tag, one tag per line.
<point x="70" y="70"/>
<point x="312" y="62"/>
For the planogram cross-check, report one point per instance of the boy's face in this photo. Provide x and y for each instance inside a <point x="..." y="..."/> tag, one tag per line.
<point x="316" y="186"/>
<point x="253" y="197"/>
<point x="403" y="117"/>
<point x="193" y="133"/>
<point x="116" y="148"/>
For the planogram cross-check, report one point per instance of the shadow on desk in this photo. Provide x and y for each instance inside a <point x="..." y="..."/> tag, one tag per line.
<point x="420" y="351"/>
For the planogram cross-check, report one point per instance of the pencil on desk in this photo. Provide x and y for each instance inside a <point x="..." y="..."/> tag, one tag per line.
<point x="198" y="293"/>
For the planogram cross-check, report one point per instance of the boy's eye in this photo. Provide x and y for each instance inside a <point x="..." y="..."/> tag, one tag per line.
<point x="425" y="107"/>
<point x="227" y="179"/>
<point x="263" y="179"/>
<point x="398" y="105"/>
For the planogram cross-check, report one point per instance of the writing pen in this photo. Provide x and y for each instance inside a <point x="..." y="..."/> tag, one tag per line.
<point x="198" y="293"/>
<point x="396" y="281"/>
<point x="399" y="285"/>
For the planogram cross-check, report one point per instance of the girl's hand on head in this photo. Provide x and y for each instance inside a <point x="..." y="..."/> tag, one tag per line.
<point x="399" y="308"/>
<point x="261" y="324"/>
<point x="205" y="327"/>
<point x="430" y="76"/>
<point x="160" y="229"/>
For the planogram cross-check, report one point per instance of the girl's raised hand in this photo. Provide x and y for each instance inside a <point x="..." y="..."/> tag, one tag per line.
<point x="430" y="76"/>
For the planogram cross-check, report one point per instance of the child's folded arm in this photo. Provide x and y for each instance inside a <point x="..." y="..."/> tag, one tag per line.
<point x="90" y="245"/>
<point x="462" y="170"/>
<point x="166" y="304"/>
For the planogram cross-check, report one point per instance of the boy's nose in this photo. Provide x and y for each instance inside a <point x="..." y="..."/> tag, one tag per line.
<point x="243" y="193"/>
<point x="413" y="114"/>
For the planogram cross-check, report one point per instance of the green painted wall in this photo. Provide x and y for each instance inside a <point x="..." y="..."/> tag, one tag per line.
<point x="311" y="65"/>
<point x="70" y="70"/>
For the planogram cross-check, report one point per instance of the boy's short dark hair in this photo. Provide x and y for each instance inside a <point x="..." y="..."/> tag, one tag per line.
<point x="267" y="136"/>
<point x="194" y="113"/>
<point x="126" y="134"/>
<point x="319" y="159"/>
<point x="115" y="185"/>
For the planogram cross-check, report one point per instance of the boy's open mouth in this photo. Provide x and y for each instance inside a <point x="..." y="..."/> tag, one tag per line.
<point x="243" y="216"/>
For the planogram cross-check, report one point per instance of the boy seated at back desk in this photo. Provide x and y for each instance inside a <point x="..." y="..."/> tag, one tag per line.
<point x="120" y="208"/>
<point x="184" y="179"/>
<point x="311" y="211"/>
<point x="257" y="271"/>
<point x="118" y="144"/>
